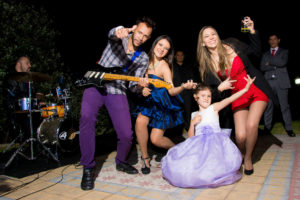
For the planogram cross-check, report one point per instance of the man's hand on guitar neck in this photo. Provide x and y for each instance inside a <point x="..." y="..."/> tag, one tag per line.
<point x="143" y="82"/>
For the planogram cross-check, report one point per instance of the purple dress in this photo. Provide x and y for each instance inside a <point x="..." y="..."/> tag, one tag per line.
<point x="209" y="159"/>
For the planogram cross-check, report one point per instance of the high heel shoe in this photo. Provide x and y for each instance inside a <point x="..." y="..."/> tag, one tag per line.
<point x="248" y="172"/>
<point x="145" y="170"/>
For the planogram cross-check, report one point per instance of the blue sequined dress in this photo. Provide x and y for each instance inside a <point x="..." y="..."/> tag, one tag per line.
<point x="164" y="111"/>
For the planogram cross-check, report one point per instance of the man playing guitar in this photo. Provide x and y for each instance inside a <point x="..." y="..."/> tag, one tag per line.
<point x="123" y="49"/>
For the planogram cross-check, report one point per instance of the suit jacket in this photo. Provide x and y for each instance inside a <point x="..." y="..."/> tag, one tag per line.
<point x="182" y="74"/>
<point x="275" y="67"/>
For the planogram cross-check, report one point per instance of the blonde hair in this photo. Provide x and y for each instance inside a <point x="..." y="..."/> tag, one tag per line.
<point x="204" y="56"/>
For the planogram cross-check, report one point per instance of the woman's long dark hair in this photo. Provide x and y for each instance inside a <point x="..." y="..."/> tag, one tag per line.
<point x="170" y="55"/>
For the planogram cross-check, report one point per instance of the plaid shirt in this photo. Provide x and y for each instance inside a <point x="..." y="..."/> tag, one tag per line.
<point x="114" y="55"/>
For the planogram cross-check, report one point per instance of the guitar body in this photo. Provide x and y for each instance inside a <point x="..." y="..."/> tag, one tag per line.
<point x="87" y="82"/>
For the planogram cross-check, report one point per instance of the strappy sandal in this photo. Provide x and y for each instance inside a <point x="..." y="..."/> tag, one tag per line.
<point x="145" y="170"/>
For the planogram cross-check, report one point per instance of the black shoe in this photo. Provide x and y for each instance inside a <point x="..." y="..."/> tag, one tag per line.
<point x="291" y="133"/>
<point x="125" y="167"/>
<point x="248" y="172"/>
<point x="87" y="181"/>
<point x="145" y="170"/>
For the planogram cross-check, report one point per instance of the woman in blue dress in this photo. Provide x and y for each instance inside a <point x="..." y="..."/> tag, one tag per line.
<point x="208" y="158"/>
<point x="161" y="108"/>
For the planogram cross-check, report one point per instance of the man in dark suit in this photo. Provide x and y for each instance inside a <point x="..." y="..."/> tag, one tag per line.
<point x="274" y="65"/>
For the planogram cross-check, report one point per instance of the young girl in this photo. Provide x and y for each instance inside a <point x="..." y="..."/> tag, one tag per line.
<point x="161" y="108"/>
<point x="208" y="158"/>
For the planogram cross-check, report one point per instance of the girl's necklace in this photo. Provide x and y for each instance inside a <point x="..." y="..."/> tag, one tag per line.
<point x="152" y="67"/>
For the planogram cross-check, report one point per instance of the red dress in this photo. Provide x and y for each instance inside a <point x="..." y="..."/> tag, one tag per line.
<point x="238" y="72"/>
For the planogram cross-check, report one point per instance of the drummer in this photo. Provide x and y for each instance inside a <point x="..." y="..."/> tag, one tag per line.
<point x="14" y="92"/>
<point x="17" y="90"/>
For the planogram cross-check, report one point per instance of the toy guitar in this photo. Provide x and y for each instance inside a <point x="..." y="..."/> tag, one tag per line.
<point x="97" y="78"/>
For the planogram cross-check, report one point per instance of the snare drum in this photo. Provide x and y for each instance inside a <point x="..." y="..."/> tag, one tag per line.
<point x="53" y="110"/>
<point x="24" y="103"/>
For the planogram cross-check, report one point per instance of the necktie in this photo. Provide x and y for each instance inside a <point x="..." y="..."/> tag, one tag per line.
<point x="273" y="52"/>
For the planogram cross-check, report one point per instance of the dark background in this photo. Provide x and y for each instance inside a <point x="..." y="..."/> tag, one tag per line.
<point x="84" y="26"/>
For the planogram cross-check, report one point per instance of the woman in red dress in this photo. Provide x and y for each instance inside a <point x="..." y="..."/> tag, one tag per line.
<point x="226" y="63"/>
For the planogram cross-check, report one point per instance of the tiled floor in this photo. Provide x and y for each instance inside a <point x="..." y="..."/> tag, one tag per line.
<point x="276" y="176"/>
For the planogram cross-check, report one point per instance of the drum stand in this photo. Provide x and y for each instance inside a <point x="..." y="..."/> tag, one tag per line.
<point x="30" y="140"/>
<point x="19" y="137"/>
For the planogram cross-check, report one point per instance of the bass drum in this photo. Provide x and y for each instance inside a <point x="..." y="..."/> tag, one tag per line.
<point x="63" y="132"/>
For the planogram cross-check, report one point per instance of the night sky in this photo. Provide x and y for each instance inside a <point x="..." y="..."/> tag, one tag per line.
<point x="84" y="25"/>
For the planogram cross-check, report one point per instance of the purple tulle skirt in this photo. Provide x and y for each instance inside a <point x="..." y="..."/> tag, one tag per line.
<point x="209" y="159"/>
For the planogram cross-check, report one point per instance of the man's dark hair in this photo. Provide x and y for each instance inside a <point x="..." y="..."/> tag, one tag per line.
<point x="179" y="50"/>
<point x="148" y="21"/>
<point x="276" y="34"/>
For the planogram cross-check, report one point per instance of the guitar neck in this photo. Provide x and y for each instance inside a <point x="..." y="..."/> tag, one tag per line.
<point x="156" y="82"/>
<point x="121" y="77"/>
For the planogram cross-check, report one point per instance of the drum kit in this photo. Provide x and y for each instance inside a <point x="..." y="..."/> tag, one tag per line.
<point x="58" y="131"/>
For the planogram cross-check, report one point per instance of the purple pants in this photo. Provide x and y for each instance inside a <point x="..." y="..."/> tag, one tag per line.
<point x="118" y="109"/>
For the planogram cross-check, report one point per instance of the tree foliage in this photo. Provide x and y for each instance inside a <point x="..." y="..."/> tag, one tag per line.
<point x="26" y="31"/>
<point x="29" y="31"/>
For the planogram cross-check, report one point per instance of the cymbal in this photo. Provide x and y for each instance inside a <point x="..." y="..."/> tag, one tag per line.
<point x="29" y="76"/>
